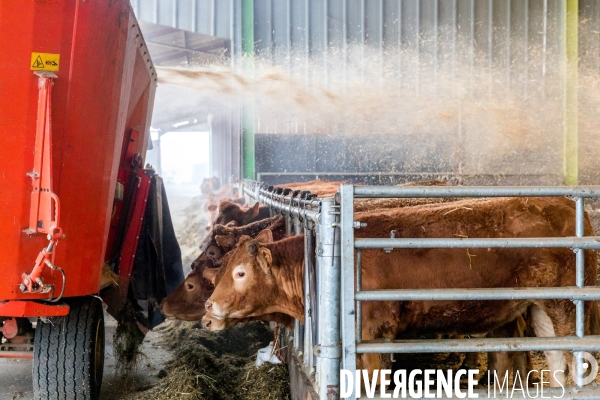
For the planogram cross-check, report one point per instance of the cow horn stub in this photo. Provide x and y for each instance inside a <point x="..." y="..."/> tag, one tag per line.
<point x="253" y="249"/>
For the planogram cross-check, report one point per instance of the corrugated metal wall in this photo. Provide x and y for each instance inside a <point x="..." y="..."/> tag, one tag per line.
<point x="314" y="26"/>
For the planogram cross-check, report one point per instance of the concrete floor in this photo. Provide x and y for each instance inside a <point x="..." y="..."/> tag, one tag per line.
<point x="16" y="374"/>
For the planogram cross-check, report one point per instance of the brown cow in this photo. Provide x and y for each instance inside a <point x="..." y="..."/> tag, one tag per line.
<point x="233" y="212"/>
<point x="212" y="207"/>
<point x="223" y="238"/>
<point x="268" y="278"/>
<point x="210" y="185"/>
<point x="186" y="302"/>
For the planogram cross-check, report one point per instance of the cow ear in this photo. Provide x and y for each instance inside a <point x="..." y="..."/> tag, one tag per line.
<point x="210" y="274"/>
<point x="265" y="236"/>
<point x="265" y="260"/>
<point x="225" y="241"/>
<point x="254" y="210"/>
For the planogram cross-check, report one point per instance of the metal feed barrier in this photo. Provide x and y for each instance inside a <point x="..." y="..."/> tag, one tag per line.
<point x="315" y="344"/>
<point x="333" y="294"/>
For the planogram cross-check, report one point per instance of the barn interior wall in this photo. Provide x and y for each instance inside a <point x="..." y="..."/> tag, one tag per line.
<point x="283" y="158"/>
<point x="225" y="145"/>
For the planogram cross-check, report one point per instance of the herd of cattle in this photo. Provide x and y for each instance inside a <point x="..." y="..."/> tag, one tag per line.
<point x="250" y="270"/>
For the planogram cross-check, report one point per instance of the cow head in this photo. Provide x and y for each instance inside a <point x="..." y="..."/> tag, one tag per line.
<point x="247" y="283"/>
<point x="230" y="211"/>
<point x="186" y="301"/>
<point x="209" y="185"/>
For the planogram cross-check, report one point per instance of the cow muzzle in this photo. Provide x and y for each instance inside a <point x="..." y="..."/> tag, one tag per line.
<point x="164" y="310"/>
<point x="212" y="324"/>
<point x="213" y="308"/>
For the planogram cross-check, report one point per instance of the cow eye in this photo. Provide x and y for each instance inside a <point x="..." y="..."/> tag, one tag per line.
<point x="240" y="275"/>
<point x="190" y="286"/>
<point x="213" y="252"/>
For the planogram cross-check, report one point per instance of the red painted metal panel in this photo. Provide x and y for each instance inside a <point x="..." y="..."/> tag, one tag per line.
<point x="32" y="309"/>
<point x="105" y="87"/>
<point x="133" y="232"/>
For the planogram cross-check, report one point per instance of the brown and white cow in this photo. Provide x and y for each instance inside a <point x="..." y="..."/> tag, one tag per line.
<point x="186" y="302"/>
<point x="214" y="275"/>
<point x="267" y="278"/>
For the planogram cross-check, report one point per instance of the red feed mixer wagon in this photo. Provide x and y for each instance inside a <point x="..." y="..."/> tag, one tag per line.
<point x="76" y="93"/>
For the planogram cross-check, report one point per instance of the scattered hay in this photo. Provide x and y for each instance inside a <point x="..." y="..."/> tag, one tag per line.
<point x="196" y="374"/>
<point x="218" y="365"/>
<point x="127" y="340"/>
<point x="192" y="231"/>
<point x="267" y="382"/>
<point x="108" y="278"/>
<point x="370" y="205"/>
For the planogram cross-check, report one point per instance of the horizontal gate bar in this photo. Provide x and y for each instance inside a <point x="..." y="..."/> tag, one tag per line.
<point x="294" y="211"/>
<point x="569" y="343"/>
<point x="587" y="242"/>
<point x="474" y="191"/>
<point x="569" y="293"/>
<point x="570" y="393"/>
<point x="284" y="200"/>
<point x="382" y="173"/>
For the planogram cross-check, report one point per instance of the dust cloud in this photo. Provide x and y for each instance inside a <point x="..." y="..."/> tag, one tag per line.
<point x="488" y="115"/>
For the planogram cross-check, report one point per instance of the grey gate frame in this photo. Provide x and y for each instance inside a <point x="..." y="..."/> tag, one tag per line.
<point x="316" y="342"/>
<point x="351" y="316"/>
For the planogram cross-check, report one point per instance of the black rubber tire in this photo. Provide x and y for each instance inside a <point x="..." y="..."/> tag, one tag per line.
<point x="68" y="357"/>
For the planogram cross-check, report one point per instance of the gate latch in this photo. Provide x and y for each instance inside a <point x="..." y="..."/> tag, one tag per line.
<point x="392" y="236"/>
<point x="332" y="352"/>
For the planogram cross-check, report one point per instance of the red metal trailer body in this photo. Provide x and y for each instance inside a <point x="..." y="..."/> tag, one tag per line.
<point x="76" y="92"/>
<point x="105" y="86"/>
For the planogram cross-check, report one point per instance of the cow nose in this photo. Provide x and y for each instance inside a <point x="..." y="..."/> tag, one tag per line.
<point x="208" y="305"/>
<point x="207" y="324"/>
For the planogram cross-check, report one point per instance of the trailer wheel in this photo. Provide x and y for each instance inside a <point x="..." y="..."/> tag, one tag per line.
<point x="69" y="354"/>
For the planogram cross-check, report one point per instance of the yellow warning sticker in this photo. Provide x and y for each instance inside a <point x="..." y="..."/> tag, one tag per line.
<point x="44" y="61"/>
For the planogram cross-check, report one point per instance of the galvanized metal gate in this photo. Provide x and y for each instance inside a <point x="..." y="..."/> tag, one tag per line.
<point x="330" y="339"/>
<point x="352" y="298"/>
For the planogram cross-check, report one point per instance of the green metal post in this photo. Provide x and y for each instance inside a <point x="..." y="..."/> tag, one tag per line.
<point x="571" y="38"/>
<point x="248" y="166"/>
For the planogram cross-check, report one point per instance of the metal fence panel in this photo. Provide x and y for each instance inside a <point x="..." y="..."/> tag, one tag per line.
<point x="317" y="341"/>
<point x="353" y="295"/>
